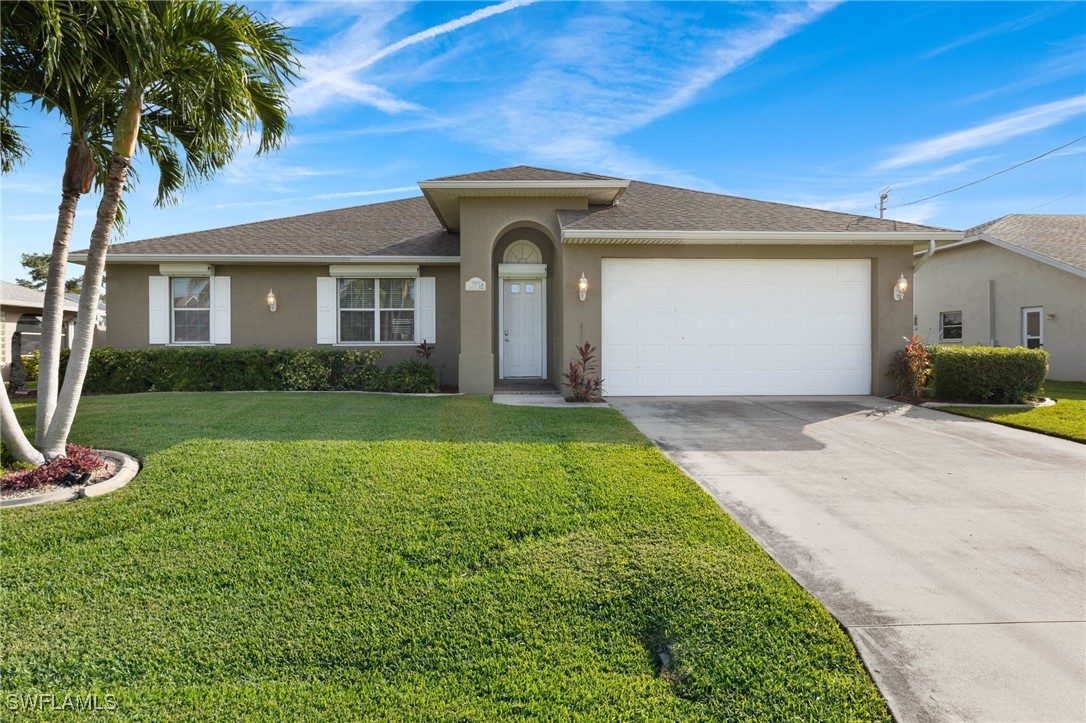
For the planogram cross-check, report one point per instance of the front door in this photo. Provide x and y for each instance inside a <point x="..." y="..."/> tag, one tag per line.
<point x="522" y="337"/>
<point x="1032" y="327"/>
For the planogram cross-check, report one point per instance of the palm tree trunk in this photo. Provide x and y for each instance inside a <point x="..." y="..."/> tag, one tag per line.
<point x="56" y="436"/>
<point x="15" y="442"/>
<point x="79" y="168"/>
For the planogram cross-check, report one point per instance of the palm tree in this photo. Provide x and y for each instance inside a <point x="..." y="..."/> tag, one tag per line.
<point x="185" y="82"/>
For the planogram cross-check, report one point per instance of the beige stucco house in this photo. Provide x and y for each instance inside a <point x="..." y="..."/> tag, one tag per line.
<point x="20" y="310"/>
<point x="1017" y="281"/>
<point x="685" y="293"/>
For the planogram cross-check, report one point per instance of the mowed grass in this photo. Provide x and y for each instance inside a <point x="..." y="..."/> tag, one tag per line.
<point x="361" y="557"/>
<point x="1066" y="419"/>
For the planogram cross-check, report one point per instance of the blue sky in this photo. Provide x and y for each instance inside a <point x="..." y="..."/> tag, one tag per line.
<point x="817" y="104"/>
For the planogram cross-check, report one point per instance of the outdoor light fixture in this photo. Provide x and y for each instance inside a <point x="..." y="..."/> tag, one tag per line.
<point x="272" y="305"/>
<point x="582" y="287"/>
<point x="900" y="288"/>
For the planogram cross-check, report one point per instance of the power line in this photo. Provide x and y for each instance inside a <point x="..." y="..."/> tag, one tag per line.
<point x="1054" y="200"/>
<point x="997" y="173"/>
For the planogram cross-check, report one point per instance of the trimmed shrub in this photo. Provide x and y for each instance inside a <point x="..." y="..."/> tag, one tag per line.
<point x="988" y="375"/>
<point x="207" y="369"/>
<point x="30" y="363"/>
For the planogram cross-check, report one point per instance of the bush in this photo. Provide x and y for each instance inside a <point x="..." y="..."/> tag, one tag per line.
<point x="207" y="369"/>
<point x="911" y="368"/>
<point x="30" y="363"/>
<point x="988" y="375"/>
<point x="581" y="377"/>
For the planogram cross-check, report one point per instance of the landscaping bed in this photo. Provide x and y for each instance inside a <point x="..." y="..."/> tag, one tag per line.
<point x="358" y="557"/>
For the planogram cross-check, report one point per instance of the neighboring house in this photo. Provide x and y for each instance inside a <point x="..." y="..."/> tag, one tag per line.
<point x="1017" y="281"/>
<point x="20" y="310"/>
<point x="685" y="292"/>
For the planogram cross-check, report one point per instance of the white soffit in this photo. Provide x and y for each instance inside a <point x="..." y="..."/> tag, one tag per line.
<point x="757" y="238"/>
<point x="444" y="196"/>
<point x="311" y="259"/>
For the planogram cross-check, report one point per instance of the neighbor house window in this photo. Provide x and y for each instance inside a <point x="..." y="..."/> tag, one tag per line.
<point x="190" y="309"/>
<point x="950" y="326"/>
<point x="376" y="310"/>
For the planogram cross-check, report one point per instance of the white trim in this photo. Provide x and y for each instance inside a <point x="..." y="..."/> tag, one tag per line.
<point x="159" y="309"/>
<point x="117" y="257"/>
<point x="186" y="270"/>
<point x="522" y="271"/>
<point x="1018" y="250"/>
<point x="758" y="237"/>
<point x="220" y="310"/>
<point x="374" y="271"/>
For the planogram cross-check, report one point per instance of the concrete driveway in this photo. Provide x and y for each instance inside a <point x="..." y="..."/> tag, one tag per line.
<point x="952" y="550"/>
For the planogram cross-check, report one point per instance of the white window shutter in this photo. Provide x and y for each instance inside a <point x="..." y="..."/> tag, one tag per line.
<point x="158" y="306"/>
<point x="427" y="310"/>
<point x="326" y="310"/>
<point x="220" y="298"/>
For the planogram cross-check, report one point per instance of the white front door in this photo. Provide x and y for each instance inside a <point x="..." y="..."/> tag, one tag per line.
<point x="1032" y="327"/>
<point x="522" y="335"/>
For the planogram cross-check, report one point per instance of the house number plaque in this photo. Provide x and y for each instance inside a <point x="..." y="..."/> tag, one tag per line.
<point x="475" y="284"/>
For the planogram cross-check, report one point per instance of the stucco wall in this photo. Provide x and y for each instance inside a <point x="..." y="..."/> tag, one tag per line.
<point x="294" y="323"/>
<point x="957" y="280"/>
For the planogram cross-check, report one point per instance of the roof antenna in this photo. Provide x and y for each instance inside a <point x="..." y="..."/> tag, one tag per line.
<point x="883" y="195"/>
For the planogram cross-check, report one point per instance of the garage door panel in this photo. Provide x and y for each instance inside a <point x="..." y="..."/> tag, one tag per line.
<point x="743" y="326"/>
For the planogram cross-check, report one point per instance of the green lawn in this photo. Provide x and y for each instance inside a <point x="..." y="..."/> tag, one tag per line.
<point x="359" y="557"/>
<point x="1066" y="419"/>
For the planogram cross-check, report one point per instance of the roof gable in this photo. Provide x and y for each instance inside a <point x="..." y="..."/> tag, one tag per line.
<point x="1059" y="238"/>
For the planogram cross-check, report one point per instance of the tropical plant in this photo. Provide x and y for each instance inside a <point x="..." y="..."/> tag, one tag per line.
<point x="425" y="350"/>
<point x="37" y="269"/>
<point x="581" y="378"/>
<point x="911" y="368"/>
<point x="185" y="82"/>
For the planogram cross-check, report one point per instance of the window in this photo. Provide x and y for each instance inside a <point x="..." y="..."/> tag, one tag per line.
<point x="376" y="310"/>
<point x="190" y="306"/>
<point x="950" y="326"/>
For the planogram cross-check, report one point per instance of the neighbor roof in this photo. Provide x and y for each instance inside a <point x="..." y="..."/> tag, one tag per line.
<point x="648" y="206"/>
<point x="21" y="296"/>
<point x="1060" y="237"/>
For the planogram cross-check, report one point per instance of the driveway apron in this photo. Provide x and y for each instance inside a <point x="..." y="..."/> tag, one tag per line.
<point x="952" y="550"/>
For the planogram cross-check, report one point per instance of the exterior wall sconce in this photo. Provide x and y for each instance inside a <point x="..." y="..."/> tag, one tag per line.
<point x="582" y="287"/>
<point x="900" y="288"/>
<point x="272" y="304"/>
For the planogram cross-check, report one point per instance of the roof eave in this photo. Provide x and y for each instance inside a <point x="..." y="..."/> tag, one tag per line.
<point x="303" y="259"/>
<point x="586" y="236"/>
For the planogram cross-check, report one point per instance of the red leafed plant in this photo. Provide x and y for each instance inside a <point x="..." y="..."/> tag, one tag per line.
<point x="79" y="461"/>
<point x="911" y="368"/>
<point x="581" y="378"/>
<point x="425" y="350"/>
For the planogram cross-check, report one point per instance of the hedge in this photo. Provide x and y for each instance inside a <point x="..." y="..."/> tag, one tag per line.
<point x="990" y="375"/>
<point x="196" y="369"/>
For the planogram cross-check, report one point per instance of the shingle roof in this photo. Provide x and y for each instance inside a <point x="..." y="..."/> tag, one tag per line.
<point x="648" y="206"/>
<point x="16" y="295"/>
<point x="1058" y="236"/>
<point x="406" y="227"/>
<point x="524" y="173"/>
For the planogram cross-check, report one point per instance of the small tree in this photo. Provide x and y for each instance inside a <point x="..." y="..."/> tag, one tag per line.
<point x="911" y="368"/>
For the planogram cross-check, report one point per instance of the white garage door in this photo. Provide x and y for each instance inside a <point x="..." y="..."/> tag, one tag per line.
<point x="736" y="326"/>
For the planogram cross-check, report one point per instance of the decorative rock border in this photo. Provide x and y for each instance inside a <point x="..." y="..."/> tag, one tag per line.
<point x="127" y="469"/>
<point x="1046" y="402"/>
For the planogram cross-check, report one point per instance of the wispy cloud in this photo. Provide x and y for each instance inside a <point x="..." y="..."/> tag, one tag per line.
<point x="1002" y="28"/>
<point x="603" y="76"/>
<point x="1025" y="121"/>
<point x="332" y="75"/>
<point x="316" y="197"/>
<point x="361" y="194"/>
<point x="1067" y="62"/>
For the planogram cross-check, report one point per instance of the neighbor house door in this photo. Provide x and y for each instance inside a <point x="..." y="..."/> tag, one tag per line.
<point x="522" y="335"/>
<point x="1033" y="327"/>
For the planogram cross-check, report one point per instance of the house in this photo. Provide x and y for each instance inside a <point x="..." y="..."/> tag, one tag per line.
<point x="20" y="310"/>
<point x="685" y="292"/>
<point x="1019" y="280"/>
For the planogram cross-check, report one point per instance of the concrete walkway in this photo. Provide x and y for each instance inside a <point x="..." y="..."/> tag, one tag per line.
<point x="952" y="550"/>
